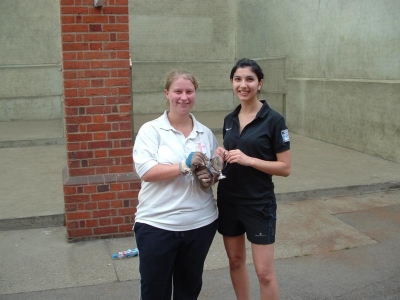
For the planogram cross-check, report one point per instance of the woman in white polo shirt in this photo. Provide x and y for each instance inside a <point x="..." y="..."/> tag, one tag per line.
<point x="176" y="217"/>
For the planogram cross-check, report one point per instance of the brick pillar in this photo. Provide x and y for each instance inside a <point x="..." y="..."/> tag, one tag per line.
<point x="100" y="186"/>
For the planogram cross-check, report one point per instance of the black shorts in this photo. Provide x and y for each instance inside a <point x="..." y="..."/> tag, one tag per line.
<point x="258" y="221"/>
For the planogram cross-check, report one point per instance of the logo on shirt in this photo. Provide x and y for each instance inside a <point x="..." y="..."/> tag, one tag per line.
<point x="285" y="135"/>
<point x="228" y="129"/>
<point x="202" y="147"/>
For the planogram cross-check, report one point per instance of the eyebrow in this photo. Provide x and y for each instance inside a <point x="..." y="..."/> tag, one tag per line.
<point x="179" y="89"/>
<point x="248" y="76"/>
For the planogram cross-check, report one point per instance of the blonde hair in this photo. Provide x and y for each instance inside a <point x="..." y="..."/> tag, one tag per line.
<point x="175" y="74"/>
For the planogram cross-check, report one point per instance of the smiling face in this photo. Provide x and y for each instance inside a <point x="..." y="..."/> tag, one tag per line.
<point x="181" y="95"/>
<point x="246" y="84"/>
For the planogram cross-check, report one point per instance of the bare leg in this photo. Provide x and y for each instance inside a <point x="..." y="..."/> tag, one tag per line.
<point x="236" y="250"/>
<point x="263" y="257"/>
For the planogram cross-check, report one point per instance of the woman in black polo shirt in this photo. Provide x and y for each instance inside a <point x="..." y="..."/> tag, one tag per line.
<point x="256" y="147"/>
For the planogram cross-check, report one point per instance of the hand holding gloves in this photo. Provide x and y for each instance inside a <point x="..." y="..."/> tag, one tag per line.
<point x="192" y="162"/>
<point x="205" y="177"/>
<point x="196" y="163"/>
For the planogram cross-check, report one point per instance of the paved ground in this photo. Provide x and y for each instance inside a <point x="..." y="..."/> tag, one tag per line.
<point x="327" y="248"/>
<point x="332" y="242"/>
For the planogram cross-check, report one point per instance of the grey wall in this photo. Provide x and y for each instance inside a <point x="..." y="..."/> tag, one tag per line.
<point x="356" y="39"/>
<point x="251" y="42"/>
<point x="331" y="67"/>
<point x="342" y="70"/>
<point x="30" y="60"/>
<point x="198" y="36"/>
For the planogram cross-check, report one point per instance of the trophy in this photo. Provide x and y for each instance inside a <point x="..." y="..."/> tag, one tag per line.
<point x="218" y="164"/>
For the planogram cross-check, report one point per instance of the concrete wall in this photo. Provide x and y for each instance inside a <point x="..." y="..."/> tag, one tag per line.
<point x="251" y="42"/>
<point x="198" y="36"/>
<point x="205" y="38"/>
<point x="331" y="67"/>
<point x="342" y="70"/>
<point x="30" y="60"/>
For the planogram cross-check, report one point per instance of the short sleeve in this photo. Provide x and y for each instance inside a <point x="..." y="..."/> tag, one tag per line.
<point x="145" y="149"/>
<point x="281" y="136"/>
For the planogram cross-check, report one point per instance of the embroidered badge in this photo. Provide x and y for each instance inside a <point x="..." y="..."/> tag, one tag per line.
<point x="285" y="135"/>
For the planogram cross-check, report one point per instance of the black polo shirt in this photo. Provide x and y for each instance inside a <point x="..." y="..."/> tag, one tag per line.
<point x="262" y="138"/>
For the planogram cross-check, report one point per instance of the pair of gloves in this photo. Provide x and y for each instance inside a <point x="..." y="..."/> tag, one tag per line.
<point x="196" y="163"/>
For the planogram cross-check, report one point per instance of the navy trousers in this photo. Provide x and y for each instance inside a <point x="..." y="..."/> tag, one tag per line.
<point x="172" y="261"/>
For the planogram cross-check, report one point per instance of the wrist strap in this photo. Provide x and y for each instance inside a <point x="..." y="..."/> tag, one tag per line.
<point x="189" y="159"/>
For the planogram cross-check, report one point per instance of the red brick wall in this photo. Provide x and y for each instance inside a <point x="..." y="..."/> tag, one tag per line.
<point x="100" y="186"/>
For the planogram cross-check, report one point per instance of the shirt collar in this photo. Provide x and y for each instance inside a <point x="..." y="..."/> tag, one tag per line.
<point x="166" y="125"/>
<point x="261" y="113"/>
<point x="264" y="109"/>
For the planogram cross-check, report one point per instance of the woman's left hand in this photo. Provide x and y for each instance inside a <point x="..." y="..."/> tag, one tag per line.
<point x="237" y="156"/>
<point x="280" y="167"/>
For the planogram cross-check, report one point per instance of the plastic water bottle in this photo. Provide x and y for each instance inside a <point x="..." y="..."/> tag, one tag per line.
<point x="128" y="253"/>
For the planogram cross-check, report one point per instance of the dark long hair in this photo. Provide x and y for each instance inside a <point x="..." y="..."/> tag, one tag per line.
<point x="248" y="63"/>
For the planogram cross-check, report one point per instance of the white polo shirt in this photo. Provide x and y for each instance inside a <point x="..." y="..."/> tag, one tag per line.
<point x="178" y="204"/>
